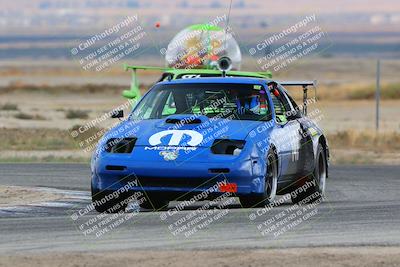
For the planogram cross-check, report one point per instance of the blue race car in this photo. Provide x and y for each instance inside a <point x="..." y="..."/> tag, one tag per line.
<point x="242" y="136"/>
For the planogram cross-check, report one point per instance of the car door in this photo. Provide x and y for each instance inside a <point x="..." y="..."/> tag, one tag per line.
<point x="304" y="157"/>
<point x="288" y="136"/>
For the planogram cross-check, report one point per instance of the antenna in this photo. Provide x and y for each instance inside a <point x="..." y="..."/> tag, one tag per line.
<point x="227" y="21"/>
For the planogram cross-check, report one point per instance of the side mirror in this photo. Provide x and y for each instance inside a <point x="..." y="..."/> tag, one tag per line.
<point x="116" y="114"/>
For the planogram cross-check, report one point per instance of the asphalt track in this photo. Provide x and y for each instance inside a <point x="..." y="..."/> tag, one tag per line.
<point x="362" y="208"/>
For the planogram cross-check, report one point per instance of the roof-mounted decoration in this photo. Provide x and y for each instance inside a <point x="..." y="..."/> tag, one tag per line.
<point x="200" y="46"/>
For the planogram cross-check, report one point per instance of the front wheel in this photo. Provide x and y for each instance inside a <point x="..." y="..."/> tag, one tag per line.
<point x="312" y="187"/>
<point x="270" y="185"/>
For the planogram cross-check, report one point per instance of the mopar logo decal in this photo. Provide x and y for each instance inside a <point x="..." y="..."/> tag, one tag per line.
<point x="176" y="137"/>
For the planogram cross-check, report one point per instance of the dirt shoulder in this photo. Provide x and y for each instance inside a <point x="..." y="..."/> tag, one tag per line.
<point x="16" y="195"/>
<point x="349" y="256"/>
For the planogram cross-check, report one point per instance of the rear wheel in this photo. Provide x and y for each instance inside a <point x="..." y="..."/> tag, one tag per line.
<point x="108" y="201"/>
<point x="270" y="186"/>
<point x="313" y="185"/>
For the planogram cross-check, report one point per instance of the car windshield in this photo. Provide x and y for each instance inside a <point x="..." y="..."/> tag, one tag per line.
<point x="233" y="101"/>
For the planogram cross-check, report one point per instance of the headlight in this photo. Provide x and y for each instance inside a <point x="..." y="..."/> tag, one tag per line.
<point x="120" y="145"/>
<point x="227" y="146"/>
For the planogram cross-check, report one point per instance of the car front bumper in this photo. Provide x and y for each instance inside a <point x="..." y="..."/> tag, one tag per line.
<point x="176" y="178"/>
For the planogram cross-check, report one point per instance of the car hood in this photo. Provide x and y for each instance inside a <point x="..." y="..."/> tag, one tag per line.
<point x="170" y="132"/>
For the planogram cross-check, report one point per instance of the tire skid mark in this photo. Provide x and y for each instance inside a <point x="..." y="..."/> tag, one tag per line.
<point x="70" y="199"/>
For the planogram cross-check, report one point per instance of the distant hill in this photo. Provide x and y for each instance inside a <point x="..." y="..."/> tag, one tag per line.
<point x="49" y="28"/>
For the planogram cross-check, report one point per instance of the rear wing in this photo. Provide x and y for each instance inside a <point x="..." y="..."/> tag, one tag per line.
<point x="134" y="68"/>
<point x="298" y="83"/>
<point x="304" y="85"/>
<point x="134" y="91"/>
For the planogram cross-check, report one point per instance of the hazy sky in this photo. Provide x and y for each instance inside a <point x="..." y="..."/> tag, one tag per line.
<point x="281" y="7"/>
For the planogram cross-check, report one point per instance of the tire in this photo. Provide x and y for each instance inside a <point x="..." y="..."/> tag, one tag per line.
<point x="318" y="178"/>
<point x="113" y="205"/>
<point x="153" y="203"/>
<point x="270" y="185"/>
